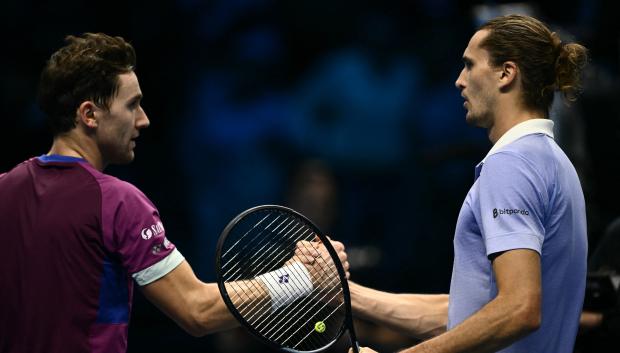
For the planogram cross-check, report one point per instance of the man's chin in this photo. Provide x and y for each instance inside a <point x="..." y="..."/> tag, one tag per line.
<point x="470" y="119"/>
<point x="475" y="121"/>
<point x="126" y="159"/>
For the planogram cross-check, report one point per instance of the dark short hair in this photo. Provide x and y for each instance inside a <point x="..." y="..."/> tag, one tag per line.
<point x="86" y="68"/>
<point x="546" y="63"/>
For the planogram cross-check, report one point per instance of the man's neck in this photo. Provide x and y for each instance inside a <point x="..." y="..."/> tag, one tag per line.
<point x="507" y="117"/>
<point x="72" y="145"/>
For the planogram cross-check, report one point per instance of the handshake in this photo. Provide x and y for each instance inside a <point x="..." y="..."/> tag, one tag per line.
<point x="311" y="269"/>
<point x="317" y="260"/>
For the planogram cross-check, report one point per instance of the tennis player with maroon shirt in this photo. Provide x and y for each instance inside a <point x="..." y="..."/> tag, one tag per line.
<point x="75" y="239"/>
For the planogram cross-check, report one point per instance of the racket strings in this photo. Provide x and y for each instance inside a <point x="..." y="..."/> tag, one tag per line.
<point x="246" y="233"/>
<point x="265" y="246"/>
<point x="265" y="263"/>
<point x="250" y="305"/>
<point x="250" y="266"/>
<point x="263" y="266"/>
<point x="275" y="330"/>
<point x="296" y="309"/>
<point x="252" y="309"/>
<point x="284" y="254"/>
<point x="251" y="250"/>
<point x="301" y="315"/>
<point x="310" y="332"/>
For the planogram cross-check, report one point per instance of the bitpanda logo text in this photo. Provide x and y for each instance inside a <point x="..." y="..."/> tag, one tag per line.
<point x="510" y="212"/>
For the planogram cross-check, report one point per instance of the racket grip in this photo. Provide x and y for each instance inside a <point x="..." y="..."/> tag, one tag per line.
<point x="355" y="345"/>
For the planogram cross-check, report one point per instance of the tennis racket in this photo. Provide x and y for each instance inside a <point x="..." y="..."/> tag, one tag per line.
<point x="287" y="305"/>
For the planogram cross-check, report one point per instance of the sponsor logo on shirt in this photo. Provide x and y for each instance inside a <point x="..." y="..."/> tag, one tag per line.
<point x="156" y="249"/>
<point x="509" y="212"/>
<point x="152" y="231"/>
<point x="166" y="244"/>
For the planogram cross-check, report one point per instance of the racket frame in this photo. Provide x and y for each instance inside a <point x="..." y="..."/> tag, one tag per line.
<point x="348" y="318"/>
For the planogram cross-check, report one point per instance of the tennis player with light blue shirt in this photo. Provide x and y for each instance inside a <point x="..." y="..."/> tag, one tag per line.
<point x="526" y="196"/>
<point x="520" y="243"/>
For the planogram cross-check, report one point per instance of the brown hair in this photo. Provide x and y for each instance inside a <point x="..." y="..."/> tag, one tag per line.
<point x="546" y="63"/>
<point x="86" y="68"/>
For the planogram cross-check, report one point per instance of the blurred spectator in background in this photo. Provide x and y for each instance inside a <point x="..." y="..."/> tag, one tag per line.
<point x="314" y="193"/>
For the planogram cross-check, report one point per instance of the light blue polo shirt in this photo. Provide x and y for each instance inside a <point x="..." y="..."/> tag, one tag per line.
<point x="526" y="196"/>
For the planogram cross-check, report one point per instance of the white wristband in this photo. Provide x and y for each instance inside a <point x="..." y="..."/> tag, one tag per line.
<point x="287" y="284"/>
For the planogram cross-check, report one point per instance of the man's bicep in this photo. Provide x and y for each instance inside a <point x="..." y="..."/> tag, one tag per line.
<point x="518" y="274"/>
<point x="168" y="292"/>
<point x="512" y="205"/>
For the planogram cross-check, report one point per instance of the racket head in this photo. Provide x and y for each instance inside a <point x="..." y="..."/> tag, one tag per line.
<point x="262" y="239"/>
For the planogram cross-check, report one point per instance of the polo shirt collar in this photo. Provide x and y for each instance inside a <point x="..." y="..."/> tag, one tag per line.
<point x="528" y="127"/>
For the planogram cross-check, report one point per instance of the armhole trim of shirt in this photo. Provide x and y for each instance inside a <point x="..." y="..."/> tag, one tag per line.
<point x="159" y="269"/>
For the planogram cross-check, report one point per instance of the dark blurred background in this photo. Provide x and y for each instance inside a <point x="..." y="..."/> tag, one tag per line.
<point x="346" y="111"/>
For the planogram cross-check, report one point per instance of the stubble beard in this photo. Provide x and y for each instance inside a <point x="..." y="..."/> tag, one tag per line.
<point x="114" y="155"/>
<point x="483" y="117"/>
<point x="480" y="120"/>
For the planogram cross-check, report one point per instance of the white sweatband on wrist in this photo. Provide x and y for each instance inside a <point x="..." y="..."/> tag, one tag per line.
<point x="287" y="284"/>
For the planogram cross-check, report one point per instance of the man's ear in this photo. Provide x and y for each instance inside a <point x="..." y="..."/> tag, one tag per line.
<point x="87" y="114"/>
<point x="508" y="74"/>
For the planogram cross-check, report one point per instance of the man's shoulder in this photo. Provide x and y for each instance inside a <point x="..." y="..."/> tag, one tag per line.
<point x="536" y="151"/>
<point x="534" y="146"/>
<point x="17" y="166"/>
<point x="110" y="184"/>
<point x="18" y="173"/>
<point x="113" y="187"/>
<point x="529" y="162"/>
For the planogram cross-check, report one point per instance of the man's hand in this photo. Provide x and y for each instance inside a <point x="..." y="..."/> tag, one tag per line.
<point x="315" y="256"/>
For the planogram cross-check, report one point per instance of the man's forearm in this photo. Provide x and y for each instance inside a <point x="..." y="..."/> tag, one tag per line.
<point x="208" y="312"/>
<point x="497" y="325"/>
<point x="418" y="315"/>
